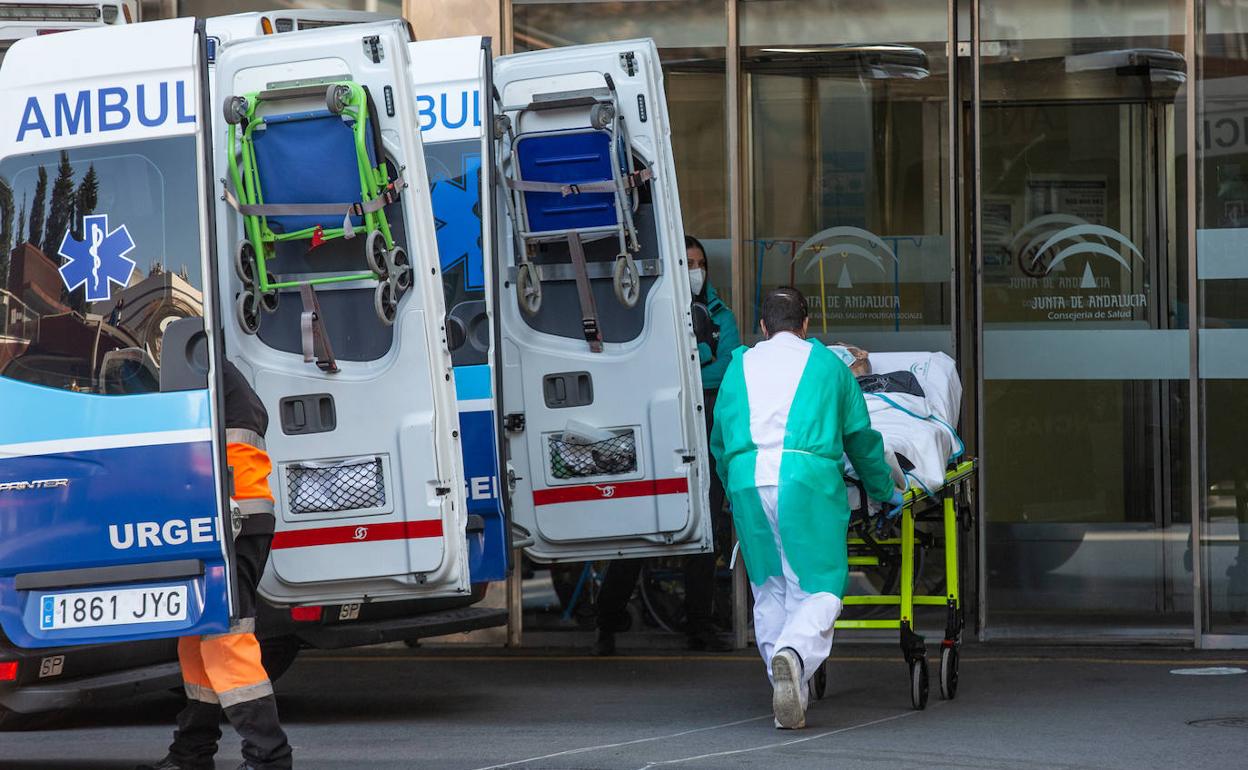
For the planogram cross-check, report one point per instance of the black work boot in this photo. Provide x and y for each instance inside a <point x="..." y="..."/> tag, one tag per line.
<point x="169" y="763"/>
<point x="195" y="739"/>
<point x="264" y="742"/>
<point x="605" y="643"/>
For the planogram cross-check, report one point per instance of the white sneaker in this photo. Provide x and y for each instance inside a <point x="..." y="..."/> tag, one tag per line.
<point x="787" y="686"/>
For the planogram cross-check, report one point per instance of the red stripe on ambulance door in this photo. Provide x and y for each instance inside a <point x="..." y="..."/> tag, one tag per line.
<point x="359" y="533"/>
<point x="592" y="492"/>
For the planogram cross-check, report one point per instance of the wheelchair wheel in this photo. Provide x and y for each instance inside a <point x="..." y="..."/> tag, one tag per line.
<point x="245" y="263"/>
<point x="384" y="303"/>
<point x="528" y="289"/>
<point x="918" y="683"/>
<point x="821" y="680"/>
<point x="949" y="672"/>
<point x="601" y="115"/>
<point x="402" y="269"/>
<point x="337" y="97"/>
<point x="268" y="300"/>
<point x="235" y="109"/>
<point x="375" y="254"/>
<point x="247" y="310"/>
<point x="627" y="281"/>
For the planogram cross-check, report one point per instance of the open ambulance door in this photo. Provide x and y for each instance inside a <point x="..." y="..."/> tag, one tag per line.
<point x="112" y="510"/>
<point x="601" y="380"/>
<point x="352" y="362"/>
<point x="449" y="78"/>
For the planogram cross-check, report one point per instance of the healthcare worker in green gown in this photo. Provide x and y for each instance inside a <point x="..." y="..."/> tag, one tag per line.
<point x="789" y="410"/>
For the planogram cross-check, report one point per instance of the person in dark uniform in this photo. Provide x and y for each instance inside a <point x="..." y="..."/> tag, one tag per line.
<point x="715" y="345"/>
<point x="223" y="672"/>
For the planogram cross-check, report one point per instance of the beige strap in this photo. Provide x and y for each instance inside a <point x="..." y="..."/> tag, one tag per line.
<point x="244" y="436"/>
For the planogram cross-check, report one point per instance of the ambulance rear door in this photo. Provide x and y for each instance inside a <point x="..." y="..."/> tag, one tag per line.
<point x="608" y="449"/>
<point x="364" y="438"/>
<point x="111" y="492"/>
<point x="449" y="77"/>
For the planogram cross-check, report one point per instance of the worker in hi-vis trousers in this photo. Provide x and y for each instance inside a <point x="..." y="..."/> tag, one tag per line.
<point x="222" y="672"/>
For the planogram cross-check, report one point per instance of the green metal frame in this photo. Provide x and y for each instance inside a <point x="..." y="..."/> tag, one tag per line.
<point x="907" y="599"/>
<point x="246" y="180"/>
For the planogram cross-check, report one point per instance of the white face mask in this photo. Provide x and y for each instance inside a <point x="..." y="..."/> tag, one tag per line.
<point x="697" y="279"/>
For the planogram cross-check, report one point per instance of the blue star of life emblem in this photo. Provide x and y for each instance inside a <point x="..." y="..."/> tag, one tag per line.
<point x="457" y="219"/>
<point x="99" y="260"/>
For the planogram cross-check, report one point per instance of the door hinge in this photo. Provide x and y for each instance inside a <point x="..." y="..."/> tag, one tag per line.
<point x="442" y="491"/>
<point x="514" y="422"/>
<point x="628" y="60"/>
<point x="373" y="49"/>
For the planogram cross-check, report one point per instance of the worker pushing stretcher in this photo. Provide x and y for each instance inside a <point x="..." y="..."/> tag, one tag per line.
<point x="793" y="417"/>
<point x="788" y="411"/>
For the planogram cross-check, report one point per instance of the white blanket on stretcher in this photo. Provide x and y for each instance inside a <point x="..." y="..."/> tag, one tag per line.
<point x="920" y="428"/>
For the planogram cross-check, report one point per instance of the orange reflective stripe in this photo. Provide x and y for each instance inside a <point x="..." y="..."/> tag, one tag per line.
<point x="233" y="661"/>
<point x="251" y="468"/>
<point x="194" y="676"/>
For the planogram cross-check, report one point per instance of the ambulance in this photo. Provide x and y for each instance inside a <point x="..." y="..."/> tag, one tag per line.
<point x="23" y="19"/>
<point x="563" y="331"/>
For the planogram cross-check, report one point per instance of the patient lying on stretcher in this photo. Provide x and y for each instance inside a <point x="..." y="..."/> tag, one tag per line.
<point x="914" y="400"/>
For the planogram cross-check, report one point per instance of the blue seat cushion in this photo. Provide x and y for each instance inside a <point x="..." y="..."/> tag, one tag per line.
<point x="309" y="157"/>
<point x="570" y="158"/>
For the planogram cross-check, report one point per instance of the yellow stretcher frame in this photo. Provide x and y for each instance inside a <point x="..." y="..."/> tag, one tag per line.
<point x="865" y="551"/>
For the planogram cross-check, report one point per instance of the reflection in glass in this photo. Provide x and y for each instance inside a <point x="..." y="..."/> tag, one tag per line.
<point x="848" y="157"/>
<point x="1084" y="316"/>
<point x="99" y="254"/>
<point x="1222" y="270"/>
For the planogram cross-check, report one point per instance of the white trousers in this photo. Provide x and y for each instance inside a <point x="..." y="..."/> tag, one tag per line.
<point x="787" y="616"/>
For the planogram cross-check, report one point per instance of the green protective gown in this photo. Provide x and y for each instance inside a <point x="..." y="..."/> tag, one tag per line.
<point x="827" y="420"/>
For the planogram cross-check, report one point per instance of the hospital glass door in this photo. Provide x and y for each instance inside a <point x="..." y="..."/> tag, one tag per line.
<point x="1084" y="395"/>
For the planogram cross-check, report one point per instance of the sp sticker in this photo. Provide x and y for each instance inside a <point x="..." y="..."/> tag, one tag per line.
<point x="349" y="612"/>
<point x="53" y="665"/>
<point x="99" y="260"/>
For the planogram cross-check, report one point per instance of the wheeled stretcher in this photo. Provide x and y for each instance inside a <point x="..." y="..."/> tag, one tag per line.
<point x="936" y="514"/>
<point x="571" y="176"/>
<point x="311" y="175"/>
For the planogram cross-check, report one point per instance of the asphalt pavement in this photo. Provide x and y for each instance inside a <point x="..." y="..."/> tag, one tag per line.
<point x="486" y="709"/>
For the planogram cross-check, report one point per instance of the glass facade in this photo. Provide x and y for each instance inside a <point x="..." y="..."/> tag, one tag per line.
<point x="1037" y="217"/>
<point x="1083" y="285"/>
<point x="1221" y="272"/>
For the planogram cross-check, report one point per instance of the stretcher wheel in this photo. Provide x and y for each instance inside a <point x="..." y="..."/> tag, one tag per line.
<point x="949" y="672"/>
<point x="245" y="263"/>
<point x="268" y="300"/>
<point x="626" y="280"/>
<point x="528" y="289"/>
<point x="384" y="303"/>
<point x="375" y="253"/>
<point x="247" y="309"/>
<point x="918" y="683"/>
<point x="235" y="109"/>
<point x="601" y="115"/>
<point x="337" y="97"/>
<point x="821" y="680"/>
<point x="402" y="269"/>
